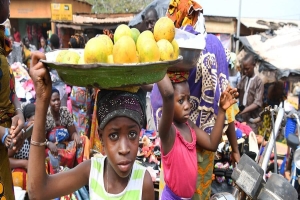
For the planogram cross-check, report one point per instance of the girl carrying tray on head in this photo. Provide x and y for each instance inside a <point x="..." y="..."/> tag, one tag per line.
<point x="115" y="176"/>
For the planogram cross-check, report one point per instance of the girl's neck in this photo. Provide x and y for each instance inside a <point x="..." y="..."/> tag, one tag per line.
<point x="112" y="181"/>
<point x="179" y="124"/>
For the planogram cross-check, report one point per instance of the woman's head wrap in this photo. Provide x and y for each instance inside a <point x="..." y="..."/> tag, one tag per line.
<point x="177" y="77"/>
<point x="29" y="110"/>
<point x="112" y="104"/>
<point x="77" y="41"/>
<point x="184" y="12"/>
<point x="187" y="13"/>
<point x="54" y="40"/>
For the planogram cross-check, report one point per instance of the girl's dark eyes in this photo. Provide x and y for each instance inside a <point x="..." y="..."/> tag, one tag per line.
<point x="180" y="101"/>
<point x="113" y="136"/>
<point x="132" y="135"/>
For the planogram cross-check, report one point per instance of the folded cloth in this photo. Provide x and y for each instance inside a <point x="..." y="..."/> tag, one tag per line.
<point x="231" y="112"/>
<point x="177" y="77"/>
<point x="190" y="29"/>
<point x="243" y="127"/>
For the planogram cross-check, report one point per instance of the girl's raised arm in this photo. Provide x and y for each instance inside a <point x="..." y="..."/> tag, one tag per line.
<point x="211" y="142"/>
<point x="166" y="132"/>
<point x="40" y="185"/>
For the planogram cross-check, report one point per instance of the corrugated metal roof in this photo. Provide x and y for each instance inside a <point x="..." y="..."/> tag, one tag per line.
<point x="279" y="52"/>
<point x="77" y="19"/>
<point x="252" y="22"/>
<point x="84" y="1"/>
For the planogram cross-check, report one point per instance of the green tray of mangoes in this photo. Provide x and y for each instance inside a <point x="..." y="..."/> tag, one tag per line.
<point x="107" y="76"/>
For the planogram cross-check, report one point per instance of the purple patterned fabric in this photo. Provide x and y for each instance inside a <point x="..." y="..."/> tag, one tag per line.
<point x="207" y="81"/>
<point x="190" y="29"/>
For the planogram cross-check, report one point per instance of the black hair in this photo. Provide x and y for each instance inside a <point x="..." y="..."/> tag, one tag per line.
<point x="150" y="9"/>
<point x="54" y="40"/>
<point x="24" y="38"/>
<point x="54" y="90"/>
<point x="29" y="110"/>
<point x="276" y="93"/>
<point x="73" y="43"/>
<point x="76" y="41"/>
<point x="252" y="56"/>
<point x="3" y="10"/>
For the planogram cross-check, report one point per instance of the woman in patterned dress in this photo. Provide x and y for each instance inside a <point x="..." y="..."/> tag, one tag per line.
<point x="64" y="146"/>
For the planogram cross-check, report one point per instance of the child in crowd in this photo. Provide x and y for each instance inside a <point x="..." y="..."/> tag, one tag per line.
<point x="115" y="176"/>
<point x="179" y="136"/>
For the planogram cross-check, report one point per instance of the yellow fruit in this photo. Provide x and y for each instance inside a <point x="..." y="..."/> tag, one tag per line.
<point x="110" y="59"/>
<point x="164" y="29"/>
<point x="149" y="52"/>
<point x="124" y="51"/>
<point x="71" y="57"/>
<point x="166" y="50"/>
<point x="121" y="30"/>
<point x="135" y="33"/>
<point x="61" y="55"/>
<point x="138" y="56"/>
<point x="143" y="36"/>
<point x="108" y="40"/>
<point x="97" y="50"/>
<point x="81" y="60"/>
<point x="1" y="188"/>
<point x="175" y="48"/>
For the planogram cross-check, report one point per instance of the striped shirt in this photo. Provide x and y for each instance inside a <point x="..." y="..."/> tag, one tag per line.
<point x="132" y="191"/>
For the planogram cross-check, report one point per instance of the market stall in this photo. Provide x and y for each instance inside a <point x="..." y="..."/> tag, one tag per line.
<point x="278" y="57"/>
<point x="276" y="52"/>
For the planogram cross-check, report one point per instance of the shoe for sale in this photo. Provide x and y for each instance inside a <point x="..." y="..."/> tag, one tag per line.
<point x="151" y="134"/>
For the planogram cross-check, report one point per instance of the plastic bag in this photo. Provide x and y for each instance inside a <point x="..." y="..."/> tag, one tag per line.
<point x="188" y="40"/>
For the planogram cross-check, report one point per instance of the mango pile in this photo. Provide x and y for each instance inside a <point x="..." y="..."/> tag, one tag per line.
<point x="128" y="46"/>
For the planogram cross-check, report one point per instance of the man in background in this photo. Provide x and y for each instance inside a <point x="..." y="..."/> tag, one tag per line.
<point x="150" y="18"/>
<point x="251" y="90"/>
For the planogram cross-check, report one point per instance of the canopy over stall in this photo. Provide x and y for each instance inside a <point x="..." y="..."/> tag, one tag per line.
<point x="161" y="7"/>
<point x="279" y="53"/>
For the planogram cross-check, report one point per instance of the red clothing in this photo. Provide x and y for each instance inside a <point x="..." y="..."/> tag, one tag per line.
<point x="180" y="166"/>
<point x="17" y="36"/>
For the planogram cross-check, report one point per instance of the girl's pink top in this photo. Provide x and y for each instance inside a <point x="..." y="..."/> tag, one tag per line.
<point x="180" y="165"/>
